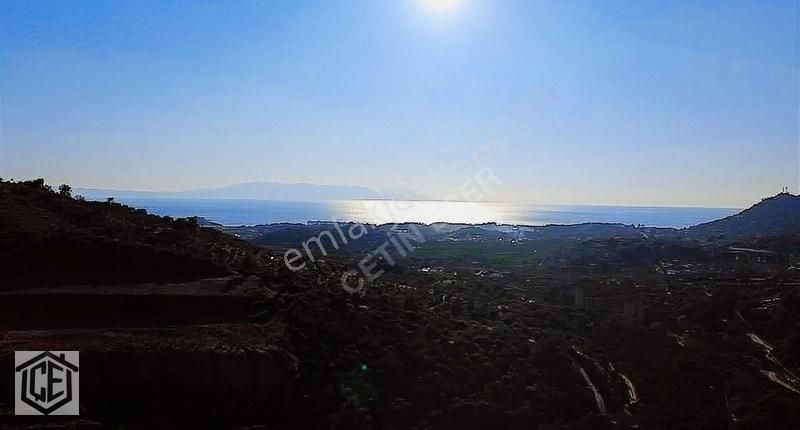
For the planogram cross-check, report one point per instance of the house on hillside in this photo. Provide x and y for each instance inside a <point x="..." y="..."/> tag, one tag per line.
<point x="749" y="255"/>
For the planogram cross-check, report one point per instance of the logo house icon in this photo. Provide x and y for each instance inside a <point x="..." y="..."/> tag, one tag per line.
<point x="46" y="383"/>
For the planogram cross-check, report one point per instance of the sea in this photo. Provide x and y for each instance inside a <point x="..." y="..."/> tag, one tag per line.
<point x="252" y="212"/>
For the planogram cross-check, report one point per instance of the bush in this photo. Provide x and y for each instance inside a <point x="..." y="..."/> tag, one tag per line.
<point x="65" y="190"/>
<point x="185" y="223"/>
<point x="38" y="183"/>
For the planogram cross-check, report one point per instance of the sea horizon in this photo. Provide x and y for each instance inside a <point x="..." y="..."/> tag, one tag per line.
<point x="234" y="212"/>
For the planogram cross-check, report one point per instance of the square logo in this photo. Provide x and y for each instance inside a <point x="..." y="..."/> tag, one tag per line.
<point x="46" y="383"/>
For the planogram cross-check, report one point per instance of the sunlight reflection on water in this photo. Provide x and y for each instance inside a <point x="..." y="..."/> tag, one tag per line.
<point x="236" y="212"/>
<point x="393" y="211"/>
<point x="427" y="212"/>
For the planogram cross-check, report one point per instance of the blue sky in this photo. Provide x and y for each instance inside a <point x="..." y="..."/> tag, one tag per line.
<point x="604" y="102"/>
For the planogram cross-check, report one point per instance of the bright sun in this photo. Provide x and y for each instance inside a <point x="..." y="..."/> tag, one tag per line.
<point x="442" y="6"/>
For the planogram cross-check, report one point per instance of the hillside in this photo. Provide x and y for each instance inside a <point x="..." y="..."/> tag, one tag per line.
<point x="777" y="215"/>
<point x="49" y="238"/>
<point x="590" y="326"/>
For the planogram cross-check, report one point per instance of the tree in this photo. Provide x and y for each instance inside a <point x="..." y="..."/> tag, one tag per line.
<point x="38" y="183"/>
<point x="65" y="190"/>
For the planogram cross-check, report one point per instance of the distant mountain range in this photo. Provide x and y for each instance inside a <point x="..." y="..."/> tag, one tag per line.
<point x="259" y="191"/>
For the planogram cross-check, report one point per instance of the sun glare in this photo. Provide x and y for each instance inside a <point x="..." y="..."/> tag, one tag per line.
<point x="442" y="6"/>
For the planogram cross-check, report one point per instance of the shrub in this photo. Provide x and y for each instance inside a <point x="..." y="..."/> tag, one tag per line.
<point x="65" y="190"/>
<point x="185" y="223"/>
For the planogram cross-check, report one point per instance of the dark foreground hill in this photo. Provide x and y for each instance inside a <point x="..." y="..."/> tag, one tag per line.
<point x="182" y="327"/>
<point x="49" y="238"/>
